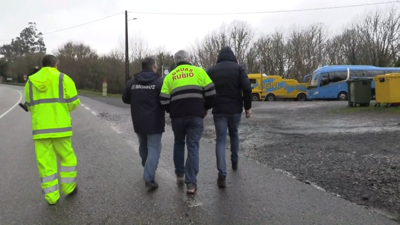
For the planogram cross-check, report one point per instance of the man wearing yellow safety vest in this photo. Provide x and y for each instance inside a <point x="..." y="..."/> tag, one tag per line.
<point x="187" y="94"/>
<point x="51" y="96"/>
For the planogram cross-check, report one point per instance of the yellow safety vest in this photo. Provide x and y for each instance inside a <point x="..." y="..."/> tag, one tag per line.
<point x="51" y="96"/>
<point x="186" y="89"/>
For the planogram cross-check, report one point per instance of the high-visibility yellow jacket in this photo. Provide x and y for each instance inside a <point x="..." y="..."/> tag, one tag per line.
<point x="51" y="96"/>
<point x="187" y="91"/>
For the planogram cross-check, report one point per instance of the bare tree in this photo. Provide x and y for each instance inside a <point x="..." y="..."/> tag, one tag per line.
<point x="253" y="62"/>
<point x="334" y="52"/>
<point x="305" y="50"/>
<point x="77" y="60"/>
<point x="271" y="50"/>
<point x="205" y="52"/>
<point x="380" y="37"/>
<point x="240" y="37"/>
<point x="163" y="58"/>
<point x="77" y="51"/>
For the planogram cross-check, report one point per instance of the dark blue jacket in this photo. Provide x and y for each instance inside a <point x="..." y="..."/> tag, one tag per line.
<point x="230" y="80"/>
<point x="142" y="93"/>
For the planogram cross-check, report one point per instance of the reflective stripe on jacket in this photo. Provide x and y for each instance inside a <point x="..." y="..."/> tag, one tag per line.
<point x="187" y="91"/>
<point x="51" y="96"/>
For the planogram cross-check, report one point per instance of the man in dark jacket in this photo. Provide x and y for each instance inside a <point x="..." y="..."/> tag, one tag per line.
<point x="230" y="81"/>
<point x="148" y="116"/>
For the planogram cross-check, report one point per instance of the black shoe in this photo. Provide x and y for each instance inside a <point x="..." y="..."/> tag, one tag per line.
<point x="235" y="165"/>
<point x="221" y="181"/>
<point x="180" y="179"/>
<point x="152" y="185"/>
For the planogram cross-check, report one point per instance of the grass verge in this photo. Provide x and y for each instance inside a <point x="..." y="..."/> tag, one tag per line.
<point x="80" y="91"/>
<point x="371" y="109"/>
<point x="15" y="84"/>
<point x="97" y="94"/>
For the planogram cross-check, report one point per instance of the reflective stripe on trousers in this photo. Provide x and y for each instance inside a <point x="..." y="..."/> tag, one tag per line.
<point x="70" y="172"/>
<point x="46" y="157"/>
<point x="49" y="179"/>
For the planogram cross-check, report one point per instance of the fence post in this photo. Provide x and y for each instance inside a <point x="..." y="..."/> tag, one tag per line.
<point x="105" y="87"/>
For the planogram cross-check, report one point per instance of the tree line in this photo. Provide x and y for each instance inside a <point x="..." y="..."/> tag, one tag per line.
<point x="371" y="39"/>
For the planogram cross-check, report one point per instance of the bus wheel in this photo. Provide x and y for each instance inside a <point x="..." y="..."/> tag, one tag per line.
<point x="301" y="97"/>
<point x="270" y="98"/>
<point x="255" y="97"/>
<point x="342" y="96"/>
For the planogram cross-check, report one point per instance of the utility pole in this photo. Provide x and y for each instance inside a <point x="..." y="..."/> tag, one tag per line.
<point x="126" y="48"/>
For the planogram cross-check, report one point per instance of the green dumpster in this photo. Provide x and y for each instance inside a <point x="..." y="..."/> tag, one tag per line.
<point x="359" y="91"/>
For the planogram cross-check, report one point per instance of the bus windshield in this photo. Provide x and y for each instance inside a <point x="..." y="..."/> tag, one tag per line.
<point x="314" y="80"/>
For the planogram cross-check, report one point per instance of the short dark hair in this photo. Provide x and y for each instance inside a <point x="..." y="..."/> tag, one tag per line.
<point x="49" y="61"/>
<point x="148" y="63"/>
<point x="35" y="70"/>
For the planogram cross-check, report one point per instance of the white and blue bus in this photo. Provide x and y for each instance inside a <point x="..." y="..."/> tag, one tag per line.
<point x="329" y="82"/>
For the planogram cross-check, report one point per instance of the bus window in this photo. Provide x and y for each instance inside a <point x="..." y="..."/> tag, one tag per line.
<point x="372" y="73"/>
<point x="253" y="81"/>
<point x="357" y="73"/>
<point x="314" y="80"/>
<point x="307" y="79"/>
<point x="337" y="76"/>
<point x="324" y="79"/>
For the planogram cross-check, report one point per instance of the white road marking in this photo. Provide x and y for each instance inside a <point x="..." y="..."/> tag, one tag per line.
<point x="20" y="98"/>
<point x="94" y="113"/>
<point x="312" y="184"/>
<point x="87" y="108"/>
<point x="82" y="104"/>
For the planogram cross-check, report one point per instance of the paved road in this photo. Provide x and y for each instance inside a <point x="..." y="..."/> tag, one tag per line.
<point x="112" y="191"/>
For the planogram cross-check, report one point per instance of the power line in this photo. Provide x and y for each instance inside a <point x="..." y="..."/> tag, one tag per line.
<point x="266" y="12"/>
<point x="208" y="14"/>
<point x="79" y="25"/>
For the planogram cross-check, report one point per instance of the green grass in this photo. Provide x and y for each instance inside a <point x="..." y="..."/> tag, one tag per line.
<point x="80" y="91"/>
<point x="371" y="109"/>
<point x="97" y="93"/>
<point x="15" y="84"/>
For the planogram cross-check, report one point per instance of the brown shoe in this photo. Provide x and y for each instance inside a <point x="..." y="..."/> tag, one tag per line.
<point x="235" y="165"/>
<point x="221" y="181"/>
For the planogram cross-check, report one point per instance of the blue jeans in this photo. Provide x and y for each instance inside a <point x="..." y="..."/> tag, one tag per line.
<point x="191" y="129"/>
<point x="149" y="151"/>
<point x="224" y="122"/>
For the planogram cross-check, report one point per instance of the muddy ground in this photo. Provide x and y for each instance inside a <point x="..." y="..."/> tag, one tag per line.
<point x="354" y="153"/>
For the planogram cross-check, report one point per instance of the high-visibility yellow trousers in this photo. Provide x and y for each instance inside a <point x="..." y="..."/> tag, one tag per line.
<point x="47" y="151"/>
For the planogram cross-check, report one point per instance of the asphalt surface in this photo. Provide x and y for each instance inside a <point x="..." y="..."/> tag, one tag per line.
<point x="111" y="189"/>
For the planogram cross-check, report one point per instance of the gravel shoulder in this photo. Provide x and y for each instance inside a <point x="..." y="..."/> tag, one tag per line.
<point x="351" y="152"/>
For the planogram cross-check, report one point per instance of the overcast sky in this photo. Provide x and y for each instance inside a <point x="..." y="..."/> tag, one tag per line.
<point x="172" y="32"/>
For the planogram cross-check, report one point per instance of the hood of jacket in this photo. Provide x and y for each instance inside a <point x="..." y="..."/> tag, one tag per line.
<point x="43" y="78"/>
<point x="226" y="54"/>
<point x="146" y="77"/>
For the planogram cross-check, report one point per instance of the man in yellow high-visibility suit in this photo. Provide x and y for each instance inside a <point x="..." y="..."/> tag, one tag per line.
<point x="51" y="96"/>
